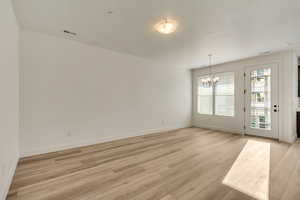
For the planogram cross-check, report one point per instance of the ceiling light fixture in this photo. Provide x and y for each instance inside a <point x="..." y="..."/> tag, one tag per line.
<point x="211" y="79"/>
<point x="166" y="26"/>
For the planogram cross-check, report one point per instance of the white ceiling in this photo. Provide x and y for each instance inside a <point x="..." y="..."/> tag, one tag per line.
<point x="229" y="29"/>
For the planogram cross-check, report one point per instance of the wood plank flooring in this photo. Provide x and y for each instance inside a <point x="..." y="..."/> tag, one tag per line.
<point x="186" y="164"/>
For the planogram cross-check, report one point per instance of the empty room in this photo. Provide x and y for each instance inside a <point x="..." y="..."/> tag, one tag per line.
<point x="150" y="100"/>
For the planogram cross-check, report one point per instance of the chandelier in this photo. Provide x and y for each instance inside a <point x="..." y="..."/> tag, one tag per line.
<point x="211" y="79"/>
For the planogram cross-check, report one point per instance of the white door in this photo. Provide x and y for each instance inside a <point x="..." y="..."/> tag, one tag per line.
<point x="261" y="100"/>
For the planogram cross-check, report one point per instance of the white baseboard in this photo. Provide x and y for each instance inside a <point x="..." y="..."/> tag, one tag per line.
<point x="295" y="138"/>
<point x="238" y="131"/>
<point x="292" y="139"/>
<point x="55" y="148"/>
<point x="8" y="181"/>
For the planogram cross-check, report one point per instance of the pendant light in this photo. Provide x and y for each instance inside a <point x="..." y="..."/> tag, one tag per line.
<point x="211" y="79"/>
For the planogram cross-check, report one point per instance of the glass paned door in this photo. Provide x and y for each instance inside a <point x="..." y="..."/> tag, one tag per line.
<point x="261" y="100"/>
<point x="260" y="115"/>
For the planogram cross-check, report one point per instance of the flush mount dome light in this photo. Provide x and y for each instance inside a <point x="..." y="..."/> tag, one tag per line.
<point x="166" y="26"/>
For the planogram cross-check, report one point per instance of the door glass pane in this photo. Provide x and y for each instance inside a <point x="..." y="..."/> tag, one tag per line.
<point x="224" y="94"/>
<point x="204" y="97"/>
<point x="260" y="115"/>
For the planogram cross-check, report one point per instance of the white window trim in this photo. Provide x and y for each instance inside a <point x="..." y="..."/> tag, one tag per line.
<point x="213" y="95"/>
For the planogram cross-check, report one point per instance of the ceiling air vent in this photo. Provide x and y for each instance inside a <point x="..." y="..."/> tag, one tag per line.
<point x="264" y="53"/>
<point x="70" y="33"/>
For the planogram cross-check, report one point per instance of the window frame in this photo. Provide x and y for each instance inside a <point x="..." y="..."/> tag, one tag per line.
<point x="213" y="104"/>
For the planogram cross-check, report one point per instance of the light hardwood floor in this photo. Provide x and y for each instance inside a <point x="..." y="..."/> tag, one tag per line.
<point x="186" y="164"/>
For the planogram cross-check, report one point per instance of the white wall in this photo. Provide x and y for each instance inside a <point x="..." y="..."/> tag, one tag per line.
<point x="288" y="75"/>
<point x="287" y="95"/>
<point x="74" y="94"/>
<point x="9" y="99"/>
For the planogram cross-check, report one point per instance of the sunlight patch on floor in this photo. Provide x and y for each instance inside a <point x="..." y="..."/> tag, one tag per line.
<point x="250" y="171"/>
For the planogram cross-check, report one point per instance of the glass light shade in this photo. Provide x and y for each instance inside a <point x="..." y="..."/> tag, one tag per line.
<point x="206" y="82"/>
<point x="216" y="79"/>
<point x="209" y="81"/>
<point x="166" y="26"/>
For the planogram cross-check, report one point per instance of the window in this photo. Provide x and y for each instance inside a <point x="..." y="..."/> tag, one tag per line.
<point x="224" y="94"/>
<point x="205" y="98"/>
<point x="217" y="99"/>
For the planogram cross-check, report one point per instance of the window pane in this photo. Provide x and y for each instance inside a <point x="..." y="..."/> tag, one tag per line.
<point x="205" y="105"/>
<point x="224" y="94"/>
<point x="225" y="105"/>
<point x="261" y="99"/>
<point x="204" y="98"/>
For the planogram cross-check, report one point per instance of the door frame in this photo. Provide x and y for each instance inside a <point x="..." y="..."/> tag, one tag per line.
<point x="274" y="101"/>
